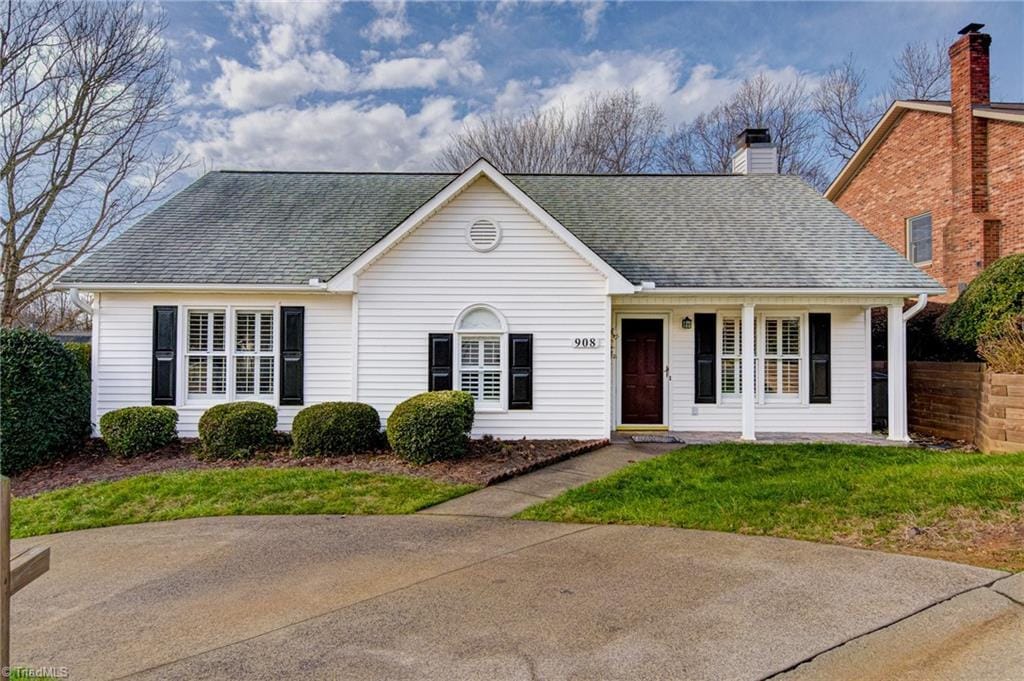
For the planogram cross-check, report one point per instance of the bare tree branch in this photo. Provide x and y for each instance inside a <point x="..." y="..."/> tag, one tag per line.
<point x="615" y="132"/>
<point x="920" y="71"/>
<point x="845" y="116"/>
<point x="85" y="100"/>
<point x="705" y="144"/>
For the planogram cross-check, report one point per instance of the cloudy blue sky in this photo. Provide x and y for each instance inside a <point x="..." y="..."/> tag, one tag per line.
<point x="382" y="86"/>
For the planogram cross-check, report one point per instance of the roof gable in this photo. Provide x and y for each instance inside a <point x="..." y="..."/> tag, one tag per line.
<point x="346" y="279"/>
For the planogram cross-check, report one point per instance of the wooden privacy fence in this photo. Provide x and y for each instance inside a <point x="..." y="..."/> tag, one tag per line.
<point x="965" y="401"/>
<point x="15" y="571"/>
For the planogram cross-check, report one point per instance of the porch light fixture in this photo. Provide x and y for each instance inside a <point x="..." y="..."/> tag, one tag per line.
<point x="687" y="323"/>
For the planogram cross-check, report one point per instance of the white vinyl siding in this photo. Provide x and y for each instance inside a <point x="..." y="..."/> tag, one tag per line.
<point x="124" y="347"/>
<point x="532" y="278"/>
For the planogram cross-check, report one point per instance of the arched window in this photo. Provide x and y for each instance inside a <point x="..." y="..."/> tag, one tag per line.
<point x="481" y="345"/>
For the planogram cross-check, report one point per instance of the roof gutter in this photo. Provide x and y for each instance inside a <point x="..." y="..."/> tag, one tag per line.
<point x="77" y="301"/>
<point x="314" y="286"/>
<point x="905" y="292"/>
<point x="912" y="311"/>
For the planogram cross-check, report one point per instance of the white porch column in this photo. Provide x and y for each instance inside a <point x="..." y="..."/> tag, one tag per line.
<point x="897" y="342"/>
<point x="749" y="387"/>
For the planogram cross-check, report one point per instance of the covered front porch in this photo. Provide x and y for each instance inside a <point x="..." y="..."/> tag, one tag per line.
<point x="782" y="368"/>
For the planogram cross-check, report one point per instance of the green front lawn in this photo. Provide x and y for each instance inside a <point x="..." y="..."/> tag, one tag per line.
<point x="241" y="491"/>
<point x="954" y="505"/>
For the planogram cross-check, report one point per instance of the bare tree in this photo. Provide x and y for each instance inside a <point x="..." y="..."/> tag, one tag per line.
<point x="845" y="115"/>
<point x="620" y="132"/>
<point x="615" y="132"/>
<point x="85" y="97"/>
<point x="786" y="109"/>
<point x="848" y="112"/>
<point x="920" y="71"/>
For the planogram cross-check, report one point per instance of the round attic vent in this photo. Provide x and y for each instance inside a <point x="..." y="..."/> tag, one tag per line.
<point x="484" y="235"/>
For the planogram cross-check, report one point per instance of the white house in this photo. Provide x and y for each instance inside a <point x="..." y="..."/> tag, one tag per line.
<point x="568" y="305"/>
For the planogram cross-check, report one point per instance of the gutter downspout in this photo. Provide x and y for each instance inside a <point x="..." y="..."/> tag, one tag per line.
<point x="78" y="302"/>
<point x="911" y="312"/>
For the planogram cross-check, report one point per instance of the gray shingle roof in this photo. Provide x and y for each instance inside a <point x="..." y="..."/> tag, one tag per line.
<point x="728" y="231"/>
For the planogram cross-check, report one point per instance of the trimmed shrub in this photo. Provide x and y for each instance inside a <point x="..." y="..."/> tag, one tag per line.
<point x="83" y="351"/>
<point x="137" y="430"/>
<point x="335" y="428"/>
<point x="44" y="400"/>
<point x="983" y="308"/>
<point x="432" y="426"/>
<point x="237" y="429"/>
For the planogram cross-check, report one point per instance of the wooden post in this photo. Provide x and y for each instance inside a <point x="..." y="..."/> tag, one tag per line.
<point x="5" y="573"/>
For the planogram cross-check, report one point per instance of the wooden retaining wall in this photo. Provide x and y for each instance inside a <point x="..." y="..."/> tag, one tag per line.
<point x="964" y="401"/>
<point x="942" y="398"/>
<point x="1001" y="413"/>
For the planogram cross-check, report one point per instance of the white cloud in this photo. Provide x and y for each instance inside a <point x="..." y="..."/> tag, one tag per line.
<point x="282" y="29"/>
<point x="390" y="23"/>
<point x="590" y="13"/>
<point x="343" y="135"/>
<point x="657" y="77"/>
<point x="245" y="88"/>
<point x="449" y="62"/>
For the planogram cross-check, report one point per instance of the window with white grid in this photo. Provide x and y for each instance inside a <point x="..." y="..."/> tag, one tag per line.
<point x="206" y="353"/>
<point x="480" y="367"/>
<point x="730" y="357"/>
<point x="254" y="353"/>
<point x="782" y="356"/>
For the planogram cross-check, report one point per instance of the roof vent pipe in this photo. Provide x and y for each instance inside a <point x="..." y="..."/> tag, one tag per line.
<point x="755" y="154"/>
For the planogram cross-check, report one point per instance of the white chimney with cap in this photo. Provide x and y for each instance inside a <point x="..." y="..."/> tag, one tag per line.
<point x="755" y="154"/>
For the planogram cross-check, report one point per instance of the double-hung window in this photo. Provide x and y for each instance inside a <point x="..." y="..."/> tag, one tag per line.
<point x="481" y="342"/>
<point x="480" y="368"/>
<point x="254" y="353"/>
<point x="919" y="239"/>
<point x="206" y="354"/>
<point x="731" y="370"/>
<point x="777" y="357"/>
<point x="230" y="354"/>
<point x="781" y="356"/>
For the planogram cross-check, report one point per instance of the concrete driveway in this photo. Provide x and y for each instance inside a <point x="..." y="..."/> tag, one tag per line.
<point x="436" y="597"/>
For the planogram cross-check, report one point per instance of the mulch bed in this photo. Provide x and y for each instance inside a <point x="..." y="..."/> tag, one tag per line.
<point x="489" y="461"/>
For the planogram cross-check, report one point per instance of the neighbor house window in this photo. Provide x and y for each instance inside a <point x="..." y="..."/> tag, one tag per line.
<point x="241" y="358"/>
<point x="481" y="335"/>
<point x="781" y="356"/>
<point x="919" y="239"/>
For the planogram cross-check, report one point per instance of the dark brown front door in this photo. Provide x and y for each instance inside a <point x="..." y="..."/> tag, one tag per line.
<point x="642" y="371"/>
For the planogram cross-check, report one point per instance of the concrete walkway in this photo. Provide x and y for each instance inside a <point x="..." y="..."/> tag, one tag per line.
<point x="508" y="498"/>
<point x="446" y="597"/>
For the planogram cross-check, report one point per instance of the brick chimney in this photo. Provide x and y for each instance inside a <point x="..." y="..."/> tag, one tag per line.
<point x="755" y="154"/>
<point x="969" y="85"/>
<point x="971" y="237"/>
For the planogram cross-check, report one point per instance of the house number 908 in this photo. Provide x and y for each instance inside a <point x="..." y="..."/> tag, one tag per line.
<point x="585" y="343"/>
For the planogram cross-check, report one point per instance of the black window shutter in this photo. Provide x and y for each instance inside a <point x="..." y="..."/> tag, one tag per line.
<point x="705" y="369"/>
<point x="520" y="370"/>
<point x="439" y="369"/>
<point x="293" y="336"/>
<point x="820" y="357"/>
<point x="165" y="350"/>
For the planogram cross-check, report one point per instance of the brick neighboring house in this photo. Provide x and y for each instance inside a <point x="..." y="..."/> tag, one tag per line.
<point x="942" y="182"/>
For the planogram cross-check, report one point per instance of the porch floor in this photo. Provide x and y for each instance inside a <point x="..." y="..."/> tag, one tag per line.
<point x="692" y="437"/>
